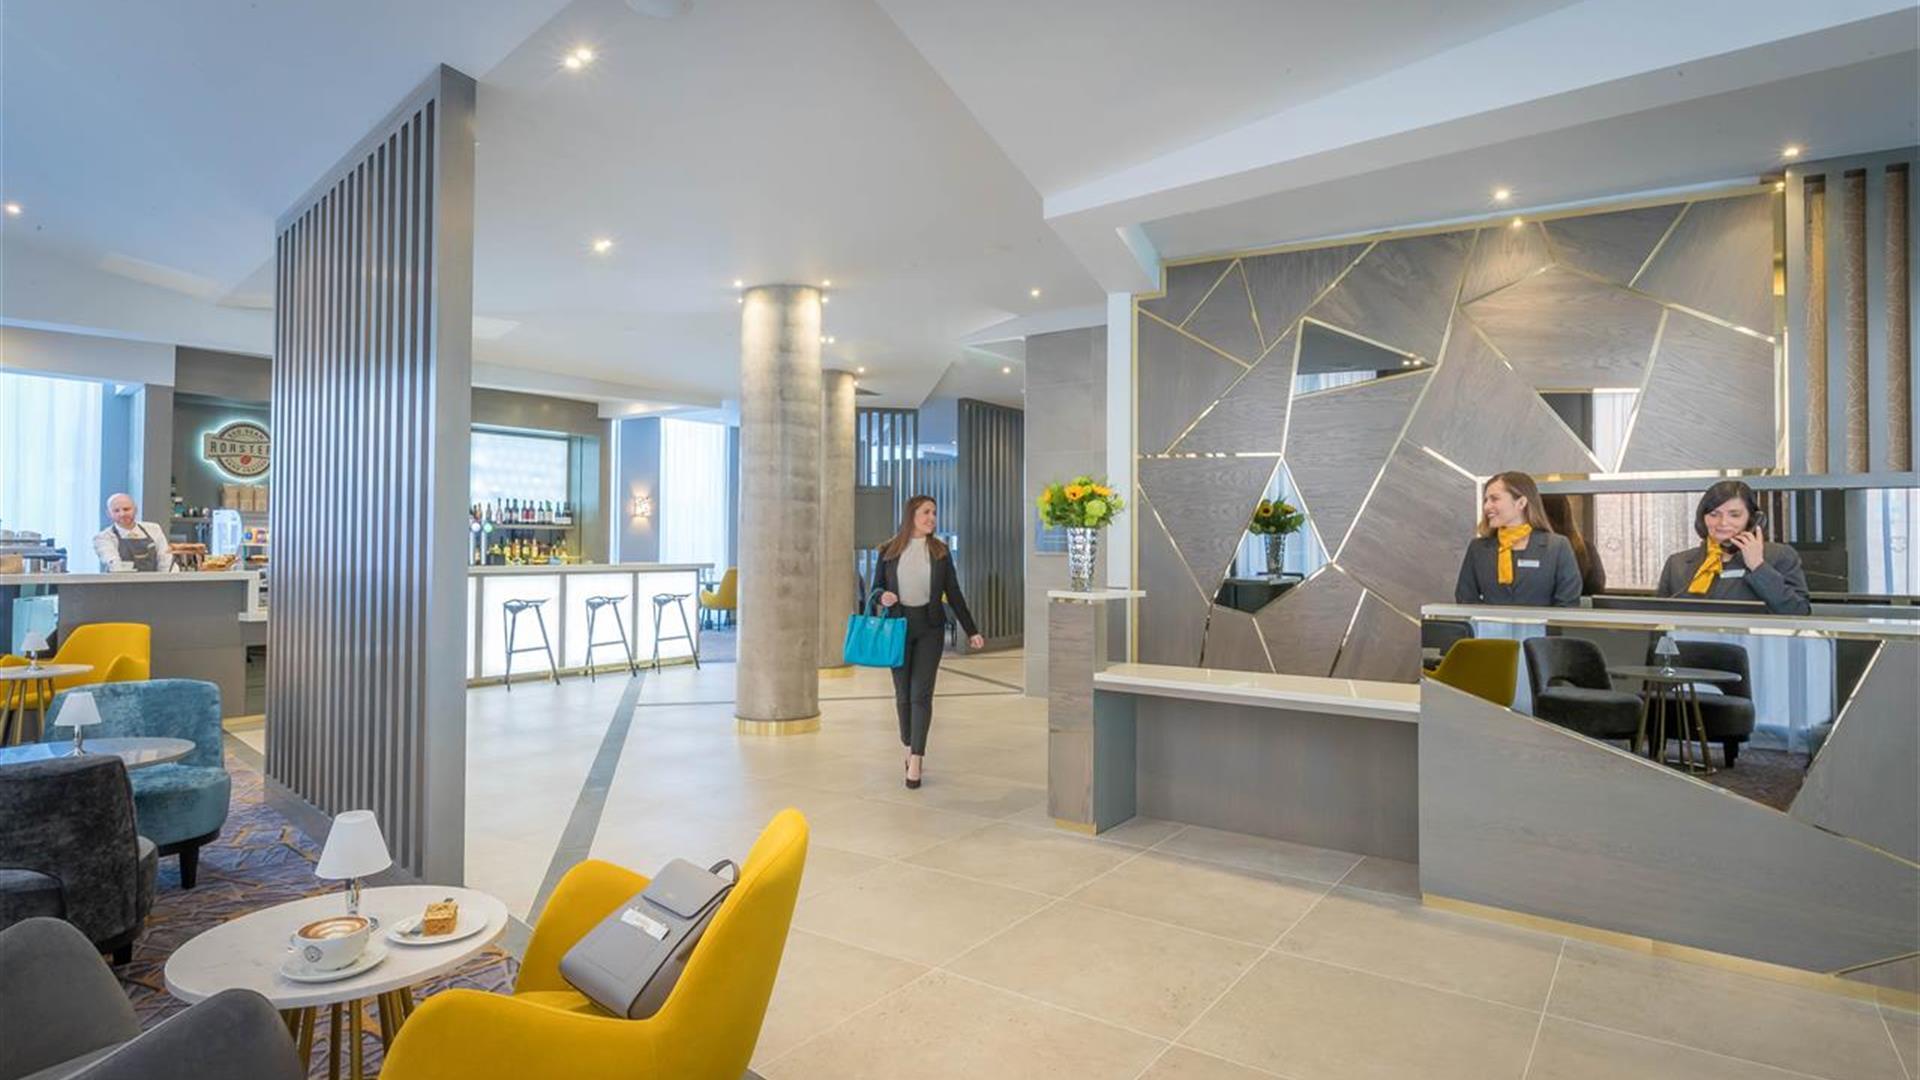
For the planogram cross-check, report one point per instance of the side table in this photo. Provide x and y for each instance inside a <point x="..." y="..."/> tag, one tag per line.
<point x="24" y="687"/>
<point x="1675" y="684"/>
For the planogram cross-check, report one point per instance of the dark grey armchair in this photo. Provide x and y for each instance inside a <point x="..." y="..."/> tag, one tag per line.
<point x="1728" y="714"/>
<point x="1568" y="677"/>
<point x="66" y="1018"/>
<point x="68" y="849"/>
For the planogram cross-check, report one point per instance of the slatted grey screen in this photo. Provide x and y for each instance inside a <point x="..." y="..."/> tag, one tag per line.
<point x="990" y="493"/>
<point x="372" y="366"/>
<point x="887" y="452"/>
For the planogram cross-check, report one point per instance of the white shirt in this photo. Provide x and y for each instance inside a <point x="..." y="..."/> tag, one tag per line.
<point x="106" y="544"/>
<point x="916" y="574"/>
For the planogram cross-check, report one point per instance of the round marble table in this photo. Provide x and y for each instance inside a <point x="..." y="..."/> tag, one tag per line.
<point x="19" y="686"/>
<point x="1673" y="684"/>
<point x="137" y="752"/>
<point x="249" y="951"/>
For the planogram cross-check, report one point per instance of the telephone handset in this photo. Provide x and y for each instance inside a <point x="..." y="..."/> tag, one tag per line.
<point x="1758" y="524"/>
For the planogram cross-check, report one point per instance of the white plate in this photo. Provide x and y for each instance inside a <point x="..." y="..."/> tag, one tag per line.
<point x="468" y="924"/>
<point x="293" y="970"/>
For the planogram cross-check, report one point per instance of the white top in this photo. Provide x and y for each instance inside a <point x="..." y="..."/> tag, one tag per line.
<point x="248" y="951"/>
<point x="177" y="578"/>
<point x="106" y="545"/>
<point x="1092" y="595"/>
<point x="137" y="751"/>
<point x="43" y="673"/>
<point x="1724" y="621"/>
<point x="915" y="574"/>
<point x="584" y="568"/>
<point x="1305" y="693"/>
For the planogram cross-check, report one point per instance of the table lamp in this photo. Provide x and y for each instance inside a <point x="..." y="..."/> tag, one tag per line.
<point x="33" y="644"/>
<point x="355" y="849"/>
<point x="1666" y="652"/>
<point x="79" y="713"/>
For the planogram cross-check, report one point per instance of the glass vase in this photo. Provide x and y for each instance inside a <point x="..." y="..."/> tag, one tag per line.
<point x="1083" y="549"/>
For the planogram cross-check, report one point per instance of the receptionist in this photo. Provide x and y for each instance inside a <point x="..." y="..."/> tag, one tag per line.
<point x="1515" y="557"/>
<point x="1735" y="560"/>
<point x="129" y="543"/>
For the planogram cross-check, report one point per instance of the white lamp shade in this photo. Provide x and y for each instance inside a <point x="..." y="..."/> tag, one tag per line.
<point x="33" y="641"/>
<point x="354" y="848"/>
<point x="78" y="710"/>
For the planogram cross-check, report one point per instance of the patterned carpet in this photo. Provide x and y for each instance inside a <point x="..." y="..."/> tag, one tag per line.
<point x="260" y="860"/>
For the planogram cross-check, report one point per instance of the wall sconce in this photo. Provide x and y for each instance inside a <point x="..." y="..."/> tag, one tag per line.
<point x="642" y="506"/>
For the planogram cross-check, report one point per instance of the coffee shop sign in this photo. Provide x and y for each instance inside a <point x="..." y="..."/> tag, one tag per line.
<point x="238" y="449"/>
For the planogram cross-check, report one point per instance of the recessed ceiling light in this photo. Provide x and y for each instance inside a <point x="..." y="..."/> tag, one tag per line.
<point x="578" y="58"/>
<point x="831" y="339"/>
<point x="13" y="209"/>
<point x="1780" y="185"/>
<point x="860" y="371"/>
<point x="1035" y="293"/>
<point x="1006" y="369"/>
<point x="1791" y="150"/>
<point x="1501" y="194"/>
<point x="826" y="284"/>
<point x="1517" y="222"/>
<point x="826" y="299"/>
<point x="602" y="246"/>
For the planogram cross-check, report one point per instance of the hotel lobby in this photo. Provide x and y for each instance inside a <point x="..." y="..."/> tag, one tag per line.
<point x="681" y="538"/>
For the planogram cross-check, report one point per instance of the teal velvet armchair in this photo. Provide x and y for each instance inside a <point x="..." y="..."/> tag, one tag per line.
<point x="180" y="806"/>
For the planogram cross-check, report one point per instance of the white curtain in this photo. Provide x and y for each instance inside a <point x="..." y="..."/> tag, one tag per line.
<point x="50" y="461"/>
<point x="693" y="493"/>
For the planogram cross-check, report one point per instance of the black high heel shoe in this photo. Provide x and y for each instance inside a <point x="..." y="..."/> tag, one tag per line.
<point x="912" y="783"/>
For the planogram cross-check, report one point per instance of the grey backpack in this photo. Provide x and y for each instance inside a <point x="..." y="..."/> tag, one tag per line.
<point x="630" y="962"/>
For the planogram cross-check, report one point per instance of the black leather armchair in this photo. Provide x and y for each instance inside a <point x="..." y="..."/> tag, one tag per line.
<point x="1728" y="714"/>
<point x="69" y="850"/>
<point x="1568" y="677"/>
<point x="66" y="1017"/>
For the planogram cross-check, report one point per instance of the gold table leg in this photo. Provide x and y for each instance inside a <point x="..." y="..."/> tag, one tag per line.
<point x="1700" y="726"/>
<point x="307" y="1017"/>
<point x="356" y="1069"/>
<point x="334" y="1030"/>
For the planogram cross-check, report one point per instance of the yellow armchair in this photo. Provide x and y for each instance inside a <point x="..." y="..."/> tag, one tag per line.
<point x="726" y="595"/>
<point x="706" y="1029"/>
<point x="118" y="652"/>
<point x="1487" y="668"/>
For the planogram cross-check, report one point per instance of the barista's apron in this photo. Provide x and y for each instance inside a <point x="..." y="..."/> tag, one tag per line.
<point x="138" y="550"/>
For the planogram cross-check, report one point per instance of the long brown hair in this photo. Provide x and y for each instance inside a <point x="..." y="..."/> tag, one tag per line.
<point x="1520" y="486"/>
<point x="1559" y="510"/>
<point x="936" y="548"/>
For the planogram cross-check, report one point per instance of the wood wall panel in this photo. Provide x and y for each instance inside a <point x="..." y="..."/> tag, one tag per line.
<point x="1613" y="245"/>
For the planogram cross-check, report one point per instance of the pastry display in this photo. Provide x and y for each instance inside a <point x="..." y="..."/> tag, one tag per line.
<point x="440" y="918"/>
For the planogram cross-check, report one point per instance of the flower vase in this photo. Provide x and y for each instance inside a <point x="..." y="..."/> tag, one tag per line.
<point x="1083" y="548"/>
<point x="1276" y="553"/>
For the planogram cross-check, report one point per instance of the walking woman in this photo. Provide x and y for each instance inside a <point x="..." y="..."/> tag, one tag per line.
<point x="916" y="582"/>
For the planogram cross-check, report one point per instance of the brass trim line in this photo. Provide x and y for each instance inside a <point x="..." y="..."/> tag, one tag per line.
<point x="1085" y="828"/>
<point x="803" y="726"/>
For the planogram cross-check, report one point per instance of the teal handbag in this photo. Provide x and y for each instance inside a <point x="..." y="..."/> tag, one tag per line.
<point x="875" y="640"/>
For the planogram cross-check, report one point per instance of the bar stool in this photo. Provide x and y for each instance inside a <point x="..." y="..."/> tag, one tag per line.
<point x="686" y="634"/>
<point x="513" y="609"/>
<point x="594" y="604"/>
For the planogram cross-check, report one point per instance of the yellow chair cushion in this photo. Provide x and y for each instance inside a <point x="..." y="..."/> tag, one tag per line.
<point x="1487" y="668"/>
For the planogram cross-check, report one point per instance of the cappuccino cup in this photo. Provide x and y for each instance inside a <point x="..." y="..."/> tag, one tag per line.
<point x="332" y="943"/>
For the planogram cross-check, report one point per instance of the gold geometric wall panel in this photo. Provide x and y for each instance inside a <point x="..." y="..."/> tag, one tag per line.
<point x="1564" y="331"/>
<point x="1483" y="417"/>
<point x="1863" y="783"/>
<point x="1224" y="319"/>
<point x="1286" y="284"/>
<point x="1206" y="503"/>
<point x="1400" y="293"/>
<point x="1383" y="644"/>
<point x="1406" y="546"/>
<point x="1173" y="632"/>
<point x="1304" y="626"/>
<point x="1709" y="399"/>
<point x="1503" y="255"/>
<point x="1186" y="285"/>
<point x="1338" y="441"/>
<point x="1719" y="260"/>
<point x="1250" y="418"/>
<point x="1613" y="246"/>
<point x="1232" y="642"/>
<point x="1178" y="377"/>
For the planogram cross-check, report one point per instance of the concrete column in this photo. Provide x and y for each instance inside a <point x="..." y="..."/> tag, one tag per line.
<point x="837" y="582"/>
<point x="780" y="395"/>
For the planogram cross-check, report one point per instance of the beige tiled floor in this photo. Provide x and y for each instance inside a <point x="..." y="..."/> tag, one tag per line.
<point x="953" y="931"/>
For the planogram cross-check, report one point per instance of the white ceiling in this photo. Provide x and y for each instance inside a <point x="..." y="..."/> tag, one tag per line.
<point x="936" y="160"/>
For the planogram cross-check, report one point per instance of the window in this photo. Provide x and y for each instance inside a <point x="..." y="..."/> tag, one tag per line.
<point x="693" y="492"/>
<point x="50" y="456"/>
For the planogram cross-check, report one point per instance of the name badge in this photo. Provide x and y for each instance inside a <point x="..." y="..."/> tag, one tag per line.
<point x="1731" y="575"/>
<point x="1527" y="564"/>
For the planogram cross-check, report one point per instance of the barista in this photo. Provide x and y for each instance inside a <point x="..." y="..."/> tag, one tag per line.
<point x="128" y="543"/>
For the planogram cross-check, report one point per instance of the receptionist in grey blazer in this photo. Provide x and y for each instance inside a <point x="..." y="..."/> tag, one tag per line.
<point x="1515" y="558"/>
<point x="1735" y="560"/>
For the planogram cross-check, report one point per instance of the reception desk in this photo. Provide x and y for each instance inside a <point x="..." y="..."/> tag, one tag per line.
<point x="202" y="621"/>
<point x="565" y="590"/>
<point x="1814" y="865"/>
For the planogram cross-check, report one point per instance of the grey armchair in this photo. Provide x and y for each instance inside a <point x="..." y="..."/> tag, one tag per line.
<point x="1728" y="714"/>
<point x="66" y="1018"/>
<point x="68" y="849"/>
<point x="1568" y="677"/>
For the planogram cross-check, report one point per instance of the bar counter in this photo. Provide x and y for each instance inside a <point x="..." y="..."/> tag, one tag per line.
<point x="565" y="590"/>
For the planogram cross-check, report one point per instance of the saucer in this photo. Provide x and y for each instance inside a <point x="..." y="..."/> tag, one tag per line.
<point x="468" y="924"/>
<point x="293" y="970"/>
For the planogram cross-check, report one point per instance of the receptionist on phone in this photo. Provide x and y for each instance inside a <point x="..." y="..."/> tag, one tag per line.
<point x="1515" y="557"/>
<point x="1735" y="561"/>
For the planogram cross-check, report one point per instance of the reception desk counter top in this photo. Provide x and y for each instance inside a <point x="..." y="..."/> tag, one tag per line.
<point x="1340" y="697"/>
<point x="1680" y="619"/>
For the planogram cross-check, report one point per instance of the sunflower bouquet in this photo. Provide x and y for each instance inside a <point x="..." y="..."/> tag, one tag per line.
<point x="1274" y="517"/>
<point x="1080" y="503"/>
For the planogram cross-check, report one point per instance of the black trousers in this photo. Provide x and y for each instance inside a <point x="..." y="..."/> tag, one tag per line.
<point x="913" y="679"/>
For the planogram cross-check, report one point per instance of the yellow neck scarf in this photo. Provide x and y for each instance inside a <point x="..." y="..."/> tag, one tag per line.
<point x="1704" y="577"/>
<point x="1511" y="536"/>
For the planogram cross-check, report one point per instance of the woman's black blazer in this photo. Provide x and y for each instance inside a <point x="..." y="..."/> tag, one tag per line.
<point x="942" y="584"/>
